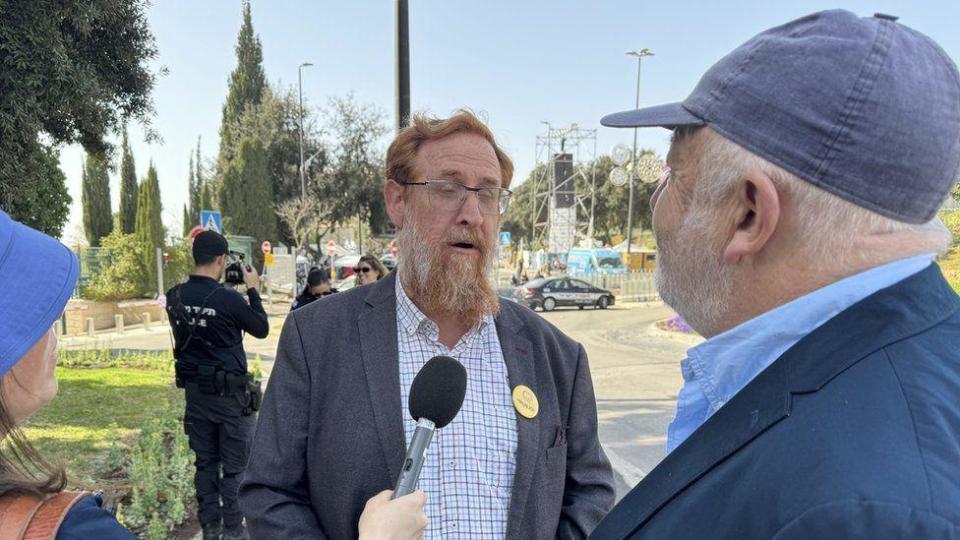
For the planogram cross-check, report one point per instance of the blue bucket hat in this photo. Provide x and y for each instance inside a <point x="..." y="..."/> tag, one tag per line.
<point x="39" y="274"/>
<point x="864" y="108"/>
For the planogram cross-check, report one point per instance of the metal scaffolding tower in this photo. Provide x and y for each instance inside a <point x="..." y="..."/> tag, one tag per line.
<point x="561" y="213"/>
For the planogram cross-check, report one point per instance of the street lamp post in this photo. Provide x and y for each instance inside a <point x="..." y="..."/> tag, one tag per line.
<point x="303" y="178"/>
<point x="633" y="159"/>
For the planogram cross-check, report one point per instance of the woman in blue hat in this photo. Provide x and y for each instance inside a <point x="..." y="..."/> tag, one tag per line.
<point x="39" y="274"/>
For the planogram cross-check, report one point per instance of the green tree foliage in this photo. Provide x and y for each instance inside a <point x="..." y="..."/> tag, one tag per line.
<point x="352" y="185"/>
<point x="246" y="88"/>
<point x="196" y="182"/>
<point x="178" y="262"/>
<point x="275" y="123"/>
<point x="70" y="71"/>
<point x="45" y="203"/>
<point x="121" y="274"/>
<point x="187" y="222"/>
<point x="97" y="217"/>
<point x="149" y="229"/>
<point x="206" y="198"/>
<point x="246" y="197"/>
<point x="128" y="188"/>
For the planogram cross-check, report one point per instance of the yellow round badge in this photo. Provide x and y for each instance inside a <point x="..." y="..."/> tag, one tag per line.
<point x="525" y="401"/>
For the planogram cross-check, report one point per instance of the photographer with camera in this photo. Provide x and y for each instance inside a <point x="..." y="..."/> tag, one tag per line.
<point x="208" y="322"/>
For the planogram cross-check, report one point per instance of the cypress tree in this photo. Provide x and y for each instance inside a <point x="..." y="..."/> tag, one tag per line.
<point x="247" y="84"/>
<point x="196" y="184"/>
<point x="246" y="196"/>
<point x="95" y="197"/>
<point x="206" y="198"/>
<point x="128" y="189"/>
<point x="187" y="223"/>
<point x="149" y="227"/>
<point x="192" y="195"/>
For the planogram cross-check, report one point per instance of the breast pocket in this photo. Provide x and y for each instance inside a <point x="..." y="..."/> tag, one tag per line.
<point x="555" y="461"/>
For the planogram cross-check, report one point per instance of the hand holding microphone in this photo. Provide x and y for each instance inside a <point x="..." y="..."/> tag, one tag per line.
<point x="400" y="519"/>
<point x="436" y="396"/>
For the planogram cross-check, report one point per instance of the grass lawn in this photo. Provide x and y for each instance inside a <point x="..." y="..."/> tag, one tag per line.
<point x="97" y="412"/>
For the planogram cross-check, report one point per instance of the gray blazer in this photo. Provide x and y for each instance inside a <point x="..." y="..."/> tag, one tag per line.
<point x="330" y="433"/>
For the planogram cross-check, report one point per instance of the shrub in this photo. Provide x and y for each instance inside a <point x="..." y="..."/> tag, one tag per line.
<point x="121" y="274"/>
<point x="160" y="473"/>
<point x="104" y="358"/>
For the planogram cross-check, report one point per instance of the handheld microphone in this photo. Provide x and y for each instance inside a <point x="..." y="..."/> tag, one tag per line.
<point x="436" y="396"/>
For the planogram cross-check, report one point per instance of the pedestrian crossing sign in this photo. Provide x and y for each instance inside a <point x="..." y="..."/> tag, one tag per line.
<point x="210" y="220"/>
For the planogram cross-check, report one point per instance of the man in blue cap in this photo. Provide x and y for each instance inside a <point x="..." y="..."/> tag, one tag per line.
<point x="208" y="322"/>
<point x="797" y="232"/>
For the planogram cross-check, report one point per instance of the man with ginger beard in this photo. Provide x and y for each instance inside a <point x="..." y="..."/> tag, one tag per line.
<point x="333" y="426"/>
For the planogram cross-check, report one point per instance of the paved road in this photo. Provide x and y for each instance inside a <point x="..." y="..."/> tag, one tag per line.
<point x="636" y="376"/>
<point x="635" y="368"/>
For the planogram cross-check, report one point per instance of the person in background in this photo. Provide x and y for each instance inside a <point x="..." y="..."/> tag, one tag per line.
<point x="318" y="286"/>
<point x="40" y="274"/>
<point x="369" y="269"/>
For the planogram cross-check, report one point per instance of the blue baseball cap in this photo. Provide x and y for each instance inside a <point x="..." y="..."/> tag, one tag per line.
<point x="865" y="108"/>
<point x="38" y="274"/>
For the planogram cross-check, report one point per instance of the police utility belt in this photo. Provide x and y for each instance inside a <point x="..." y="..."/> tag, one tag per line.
<point x="211" y="380"/>
<point x="215" y="381"/>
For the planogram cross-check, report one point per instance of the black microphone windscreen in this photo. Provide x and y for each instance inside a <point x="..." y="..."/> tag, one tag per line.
<point x="437" y="391"/>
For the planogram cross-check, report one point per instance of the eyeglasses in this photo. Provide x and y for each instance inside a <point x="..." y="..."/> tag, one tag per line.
<point x="450" y="196"/>
<point x="363" y="269"/>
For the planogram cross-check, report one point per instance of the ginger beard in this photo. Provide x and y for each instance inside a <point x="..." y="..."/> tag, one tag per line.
<point x="441" y="281"/>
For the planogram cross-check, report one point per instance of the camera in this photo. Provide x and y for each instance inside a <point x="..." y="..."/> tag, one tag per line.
<point x="234" y="271"/>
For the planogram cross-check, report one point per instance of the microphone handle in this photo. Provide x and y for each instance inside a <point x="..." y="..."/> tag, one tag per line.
<point x="413" y="462"/>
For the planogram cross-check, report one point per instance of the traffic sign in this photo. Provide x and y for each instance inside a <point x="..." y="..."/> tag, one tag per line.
<point x="505" y="238"/>
<point x="268" y="259"/>
<point x="331" y="248"/>
<point x="210" y="220"/>
<point x="265" y="246"/>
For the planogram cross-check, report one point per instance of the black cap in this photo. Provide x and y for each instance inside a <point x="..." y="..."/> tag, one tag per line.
<point x="437" y="391"/>
<point x="209" y="243"/>
<point x="317" y="276"/>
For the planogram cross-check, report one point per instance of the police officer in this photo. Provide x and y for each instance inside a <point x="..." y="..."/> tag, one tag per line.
<point x="208" y="323"/>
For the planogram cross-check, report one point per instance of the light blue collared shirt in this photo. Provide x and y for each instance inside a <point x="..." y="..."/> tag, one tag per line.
<point x="718" y="368"/>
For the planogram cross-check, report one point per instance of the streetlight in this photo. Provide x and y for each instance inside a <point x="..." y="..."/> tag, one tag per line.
<point x="303" y="178"/>
<point x="639" y="54"/>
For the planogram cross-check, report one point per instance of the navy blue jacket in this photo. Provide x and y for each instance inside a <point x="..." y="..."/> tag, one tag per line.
<point x="88" y="520"/>
<point x="853" y="433"/>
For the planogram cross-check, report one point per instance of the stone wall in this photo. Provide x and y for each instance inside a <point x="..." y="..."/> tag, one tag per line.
<point x="103" y="314"/>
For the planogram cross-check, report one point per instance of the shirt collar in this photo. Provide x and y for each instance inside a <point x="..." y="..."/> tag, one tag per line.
<point x="412" y="320"/>
<point x="726" y="363"/>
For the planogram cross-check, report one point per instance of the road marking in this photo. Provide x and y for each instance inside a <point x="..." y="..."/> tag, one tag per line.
<point x="631" y="474"/>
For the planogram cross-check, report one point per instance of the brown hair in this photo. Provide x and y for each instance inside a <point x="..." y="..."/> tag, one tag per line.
<point x="23" y="471"/>
<point x="403" y="150"/>
<point x="375" y="263"/>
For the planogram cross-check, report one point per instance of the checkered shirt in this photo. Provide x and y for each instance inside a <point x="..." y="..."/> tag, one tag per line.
<point x="468" y="473"/>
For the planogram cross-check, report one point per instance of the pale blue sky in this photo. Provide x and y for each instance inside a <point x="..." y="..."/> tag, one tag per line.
<point x="520" y="63"/>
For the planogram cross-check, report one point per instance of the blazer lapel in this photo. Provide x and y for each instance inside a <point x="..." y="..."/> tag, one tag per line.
<point x="379" y="351"/>
<point x="762" y="404"/>
<point x="518" y="356"/>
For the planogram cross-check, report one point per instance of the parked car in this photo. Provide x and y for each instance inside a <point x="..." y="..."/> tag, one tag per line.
<point x="551" y="293"/>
